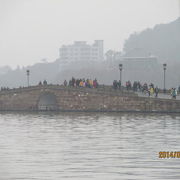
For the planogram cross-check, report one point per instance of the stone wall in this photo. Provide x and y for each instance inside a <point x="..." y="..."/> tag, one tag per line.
<point x="83" y="99"/>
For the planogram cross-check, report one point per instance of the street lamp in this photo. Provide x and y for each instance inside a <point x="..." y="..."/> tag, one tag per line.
<point x="28" y="73"/>
<point x="164" y="68"/>
<point x="120" y="69"/>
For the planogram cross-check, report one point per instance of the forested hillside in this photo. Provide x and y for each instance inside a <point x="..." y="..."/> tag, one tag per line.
<point x="162" y="41"/>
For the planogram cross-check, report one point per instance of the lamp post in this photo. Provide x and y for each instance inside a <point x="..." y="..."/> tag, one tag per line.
<point x="120" y="70"/>
<point x="164" y="68"/>
<point x="28" y="73"/>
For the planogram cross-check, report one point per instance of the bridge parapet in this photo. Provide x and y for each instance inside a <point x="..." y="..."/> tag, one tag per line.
<point x="54" y="97"/>
<point x="100" y="90"/>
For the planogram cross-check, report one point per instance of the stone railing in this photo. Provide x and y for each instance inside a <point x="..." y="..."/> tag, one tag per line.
<point x="102" y="89"/>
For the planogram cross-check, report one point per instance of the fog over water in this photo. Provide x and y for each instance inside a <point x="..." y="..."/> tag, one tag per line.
<point x="33" y="33"/>
<point x="35" y="29"/>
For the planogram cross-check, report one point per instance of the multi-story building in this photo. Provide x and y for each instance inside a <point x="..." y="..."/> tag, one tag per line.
<point x="81" y="51"/>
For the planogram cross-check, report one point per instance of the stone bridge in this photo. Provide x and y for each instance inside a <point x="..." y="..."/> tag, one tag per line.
<point x="60" y="98"/>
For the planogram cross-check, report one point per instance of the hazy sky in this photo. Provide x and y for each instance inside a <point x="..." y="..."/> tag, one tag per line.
<point x="31" y="30"/>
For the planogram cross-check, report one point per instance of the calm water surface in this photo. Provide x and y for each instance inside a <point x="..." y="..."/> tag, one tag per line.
<point x="88" y="146"/>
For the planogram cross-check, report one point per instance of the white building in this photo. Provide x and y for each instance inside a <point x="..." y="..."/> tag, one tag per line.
<point x="81" y="51"/>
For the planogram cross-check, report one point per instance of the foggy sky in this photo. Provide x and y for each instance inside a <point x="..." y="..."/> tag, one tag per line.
<point x="31" y="30"/>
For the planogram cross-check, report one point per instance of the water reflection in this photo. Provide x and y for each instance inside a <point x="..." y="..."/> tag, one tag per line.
<point x="88" y="146"/>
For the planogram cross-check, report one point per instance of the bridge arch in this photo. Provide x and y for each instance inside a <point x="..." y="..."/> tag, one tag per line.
<point x="47" y="102"/>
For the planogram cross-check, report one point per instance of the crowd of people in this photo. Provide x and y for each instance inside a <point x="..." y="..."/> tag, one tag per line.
<point x="117" y="84"/>
<point x="150" y="89"/>
<point x="42" y="83"/>
<point x="137" y="86"/>
<point x="81" y="83"/>
<point x="5" y="88"/>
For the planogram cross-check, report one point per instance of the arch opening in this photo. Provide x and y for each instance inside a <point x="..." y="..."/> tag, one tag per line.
<point x="47" y="102"/>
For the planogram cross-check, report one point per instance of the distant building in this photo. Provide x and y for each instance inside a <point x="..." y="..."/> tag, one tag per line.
<point x="111" y="55"/>
<point x="143" y="69"/>
<point x="137" y="63"/>
<point x="81" y="51"/>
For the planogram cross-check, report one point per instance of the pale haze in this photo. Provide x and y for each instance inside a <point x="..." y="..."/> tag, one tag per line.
<point x="32" y="30"/>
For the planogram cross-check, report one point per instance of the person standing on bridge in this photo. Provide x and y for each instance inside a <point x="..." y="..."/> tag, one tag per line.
<point x="44" y="82"/>
<point x="156" y="91"/>
<point x="119" y="84"/>
<point x="173" y="93"/>
<point x="65" y="83"/>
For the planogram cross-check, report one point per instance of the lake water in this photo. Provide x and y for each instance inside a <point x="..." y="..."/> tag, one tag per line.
<point x="42" y="146"/>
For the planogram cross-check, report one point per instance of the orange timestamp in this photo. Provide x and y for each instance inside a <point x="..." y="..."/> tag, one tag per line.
<point x="167" y="154"/>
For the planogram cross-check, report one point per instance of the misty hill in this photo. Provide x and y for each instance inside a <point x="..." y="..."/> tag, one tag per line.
<point x="162" y="41"/>
<point x="4" y="70"/>
<point x="38" y="72"/>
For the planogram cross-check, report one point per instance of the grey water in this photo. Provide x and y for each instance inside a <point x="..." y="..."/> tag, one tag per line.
<point x="55" y="146"/>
